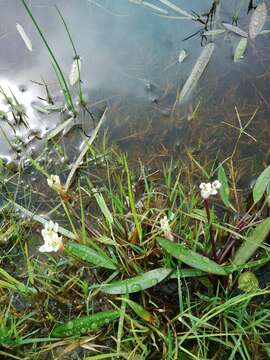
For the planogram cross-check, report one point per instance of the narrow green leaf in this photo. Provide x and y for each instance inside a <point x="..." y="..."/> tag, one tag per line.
<point x="89" y="255"/>
<point x="191" y="258"/>
<point x="252" y="243"/>
<point x="103" y="207"/>
<point x="84" y="324"/>
<point x="261" y="184"/>
<point x="224" y="190"/>
<point x="137" y="283"/>
<point x="139" y="310"/>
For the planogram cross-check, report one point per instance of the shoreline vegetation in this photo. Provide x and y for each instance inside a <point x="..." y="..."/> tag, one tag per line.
<point x="103" y="260"/>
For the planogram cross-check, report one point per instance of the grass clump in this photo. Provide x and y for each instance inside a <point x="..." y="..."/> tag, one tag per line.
<point x="136" y="277"/>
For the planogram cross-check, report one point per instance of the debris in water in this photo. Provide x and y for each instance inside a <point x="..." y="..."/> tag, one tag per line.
<point x="197" y="71"/>
<point x="235" y="29"/>
<point x="240" y="50"/>
<point x="25" y="38"/>
<point x="75" y="71"/>
<point x="182" y="56"/>
<point x="257" y="20"/>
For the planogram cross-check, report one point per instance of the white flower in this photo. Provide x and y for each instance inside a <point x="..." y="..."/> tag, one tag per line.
<point x="165" y="227"/>
<point x="52" y="241"/>
<point x="208" y="189"/>
<point x="54" y="183"/>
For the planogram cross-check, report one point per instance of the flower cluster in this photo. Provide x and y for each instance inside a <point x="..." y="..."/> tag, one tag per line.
<point x="208" y="189"/>
<point x="52" y="241"/>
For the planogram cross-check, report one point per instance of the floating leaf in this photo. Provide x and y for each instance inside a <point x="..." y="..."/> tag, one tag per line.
<point x="89" y="255"/>
<point x="25" y="38"/>
<point x="257" y="20"/>
<point x="235" y="29"/>
<point x="84" y="324"/>
<point x="197" y="71"/>
<point x="75" y="71"/>
<point x="191" y="258"/>
<point x="261" y="185"/>
<point x="139" y="310"/>
<point x="137" y="283"/>
<point x="248" y="282"/>
<point x="240" y="50"/>
<point x="252" y="243"/>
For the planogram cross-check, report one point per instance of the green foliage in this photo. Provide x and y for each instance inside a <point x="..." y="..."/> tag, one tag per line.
<point x="261" y="185"/>
<point x="252" y="243"/>
<point x="137" y="283"/>
<point x="85" y="324"/>
<point x="191" y="258"/>
<point x="85" y="253"/>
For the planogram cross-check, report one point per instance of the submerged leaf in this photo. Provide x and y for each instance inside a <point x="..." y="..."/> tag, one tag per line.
<point x="75" y="71"/>
<point x="214" y="32"/>
<point x="191" y="258"/>
<point x="252" y="243"/>
<point x="240" y="50"/>
<point x="84" y="324"/>
<point x="257" y="20"/>
<point x="197" y="71"/>
<point x="261" y="185"/>
<point x="137" y="283"/>
<point x="25" y="38"/>
<point x="89" y="255"/>
<point x="235" y="29"/>
<point x="182" y="56"/>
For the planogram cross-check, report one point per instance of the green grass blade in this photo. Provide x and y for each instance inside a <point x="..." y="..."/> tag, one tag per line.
<point x="55" y="62"/>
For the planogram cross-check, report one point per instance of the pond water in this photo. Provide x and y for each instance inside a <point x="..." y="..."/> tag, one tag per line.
<point x="130" y="64"/>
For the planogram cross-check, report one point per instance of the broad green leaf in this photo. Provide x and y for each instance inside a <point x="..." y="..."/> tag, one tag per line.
<point x="89" y="255"/>
<point x="139" y="310"/>
<point x="137" y="283"/>
<point x="252" y="243"/>
<point x="84" y="324"/>
<point x="261" y="185"/>
<point x="191" y="258"/>
<point x="240" y="50"/>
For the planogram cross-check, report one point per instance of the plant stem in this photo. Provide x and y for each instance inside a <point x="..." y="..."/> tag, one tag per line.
<point x="206" y="206"/>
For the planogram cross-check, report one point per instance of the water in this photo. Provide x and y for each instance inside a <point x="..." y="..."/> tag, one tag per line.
<point x="130" y="63"/>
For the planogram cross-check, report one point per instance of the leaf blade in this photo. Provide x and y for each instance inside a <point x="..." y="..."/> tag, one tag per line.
<point x="252" y="243"/>
<point x="137" y="283"/>
<point x="191" y="258"/>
